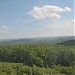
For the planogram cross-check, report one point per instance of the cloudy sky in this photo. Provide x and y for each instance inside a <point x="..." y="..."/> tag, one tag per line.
<point x="36" y="18"/>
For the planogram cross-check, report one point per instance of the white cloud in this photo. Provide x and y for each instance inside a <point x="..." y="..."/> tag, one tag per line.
<point x="67" y="9"/>
<point x="63" y="28"/>
<point x="74" y="20"/>
<point x="40" y="28"/>
<point x="4" y="29"/>
<point x="25" y="21"/>
<point x="47" y="11"/>
<point x="28" y="21"/>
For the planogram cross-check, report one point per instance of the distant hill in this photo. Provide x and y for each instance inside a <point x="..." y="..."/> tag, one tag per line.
<point x="69" y="42"/>
<point x="48" y="40"/>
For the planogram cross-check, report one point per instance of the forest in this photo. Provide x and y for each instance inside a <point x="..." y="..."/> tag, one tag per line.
<point x="37" y="59"/>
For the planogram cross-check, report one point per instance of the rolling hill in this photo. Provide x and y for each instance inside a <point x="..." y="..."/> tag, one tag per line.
<point x="48" y="40"/>
<point x="69" y="42"/>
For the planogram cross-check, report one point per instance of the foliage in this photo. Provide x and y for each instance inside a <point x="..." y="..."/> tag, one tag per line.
<point x="20" y="69"/>
<point x="38" y="54"/>
<point x="36" y="59"/>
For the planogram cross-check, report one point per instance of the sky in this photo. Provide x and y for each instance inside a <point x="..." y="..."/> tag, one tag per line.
<point x="36" y="18"/>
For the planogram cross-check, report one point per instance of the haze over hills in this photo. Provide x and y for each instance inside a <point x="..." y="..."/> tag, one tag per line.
<point x="49" y="40"/>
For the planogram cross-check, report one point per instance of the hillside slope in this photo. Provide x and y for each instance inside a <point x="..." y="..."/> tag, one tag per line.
<point x="48" y="40"/>
<point x="69" y="42"/>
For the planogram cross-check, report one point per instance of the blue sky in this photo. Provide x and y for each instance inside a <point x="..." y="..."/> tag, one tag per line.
<point x="36" y="18"/>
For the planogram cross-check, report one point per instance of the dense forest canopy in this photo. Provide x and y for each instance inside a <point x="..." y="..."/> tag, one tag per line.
<point x="37" y="59"/>
<point x="38" y="54"/>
